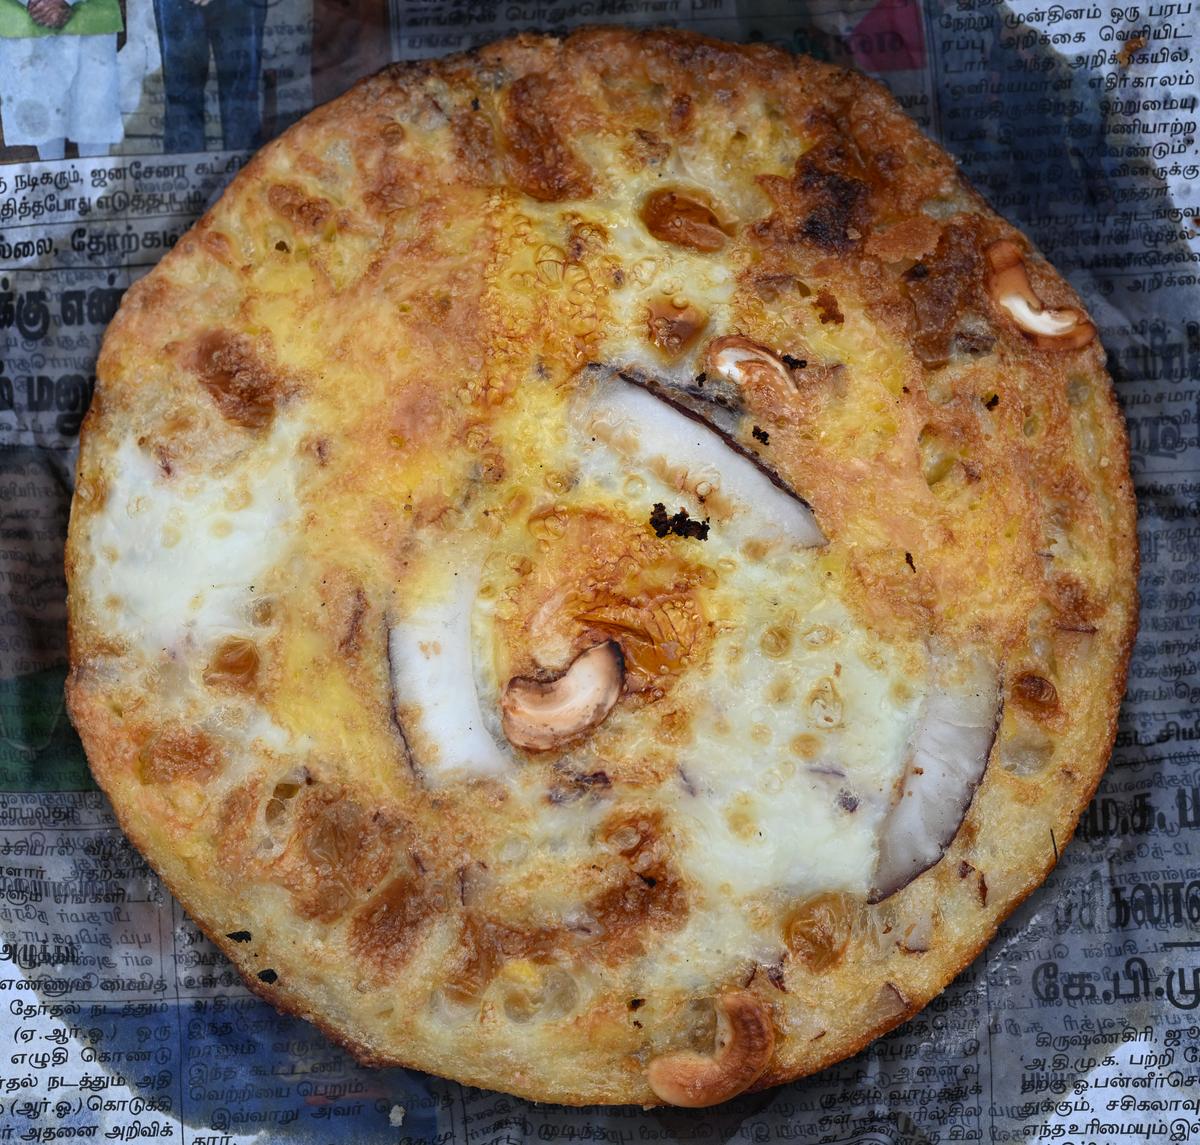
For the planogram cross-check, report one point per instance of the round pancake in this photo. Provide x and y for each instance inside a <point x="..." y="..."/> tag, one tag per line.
<point x="601" y="569"/>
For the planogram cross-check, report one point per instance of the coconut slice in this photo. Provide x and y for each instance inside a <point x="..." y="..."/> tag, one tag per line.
<point x="645" y="422"/>
<point x="433" y="684"/>
<point x="948" y="753"/>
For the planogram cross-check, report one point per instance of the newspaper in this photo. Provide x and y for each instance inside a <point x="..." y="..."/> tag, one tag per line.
<point x="120" y="120"/>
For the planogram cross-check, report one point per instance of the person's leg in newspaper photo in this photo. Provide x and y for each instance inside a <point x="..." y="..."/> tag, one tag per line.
<point x="229" y="32"/>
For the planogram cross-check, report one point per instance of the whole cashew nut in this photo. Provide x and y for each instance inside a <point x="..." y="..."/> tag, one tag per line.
<point x="1008" y="284"/>
<point x="744" y="1045"/>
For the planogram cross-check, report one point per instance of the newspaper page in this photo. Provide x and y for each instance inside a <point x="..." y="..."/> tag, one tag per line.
<point x="120" y="120"/>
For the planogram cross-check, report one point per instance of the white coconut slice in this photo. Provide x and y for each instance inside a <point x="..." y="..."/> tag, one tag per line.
<point x="948" y="753"/>
<point x="434" y="688"/>
<point x="649" y="432"/>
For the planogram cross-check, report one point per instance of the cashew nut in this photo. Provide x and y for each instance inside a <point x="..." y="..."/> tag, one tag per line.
<point x="539" y="715"/>
<point x="1008" y="284"/>
<point x="736" y="358"/>
<point x="744" y="1045"/>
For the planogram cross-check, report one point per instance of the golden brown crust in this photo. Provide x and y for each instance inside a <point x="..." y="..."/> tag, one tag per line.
<point x="366" y="369"/>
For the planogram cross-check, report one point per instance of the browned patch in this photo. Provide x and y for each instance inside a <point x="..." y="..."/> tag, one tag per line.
<point x="1075" y="607"/>
<point x="673" y="217"/>
<point x="942" y="289"/>
<point x="244" y="388"/>
<point x="673" y="328"/>
<point x="645" y="148"/>
<point x="344" y="609"/>
<point x="826" y="204"/>
<point x="475" y="147"/>
<point x="337" y="849"/>
<point x="1035" y="691"/>
<point x="233" y="665"/>
<point x="305" y="212"/>
<point x="540" y="162"/>
<point x="486" y="945"/>
<point x="682" y="112"/>
<point x="387" y="930"/>
<point x="389" y="181"/>
<point x="909" y="239"/>
<point x="649" y="896"/>
<point x="827" y="308"/>
<point x="178" y="753"/>
<point x="417" y="416"/>
<point x="601" y="579"/>
<point x="216" y="243"/>
<point x="235" y="823"/>
<point x="488" y="454"/>
<point x="656" y="635"/>
<point x="818" y="931"/>
<point x="352" y="629"/>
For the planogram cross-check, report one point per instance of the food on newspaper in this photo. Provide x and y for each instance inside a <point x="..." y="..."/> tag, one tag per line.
<point x="601" y="569"/>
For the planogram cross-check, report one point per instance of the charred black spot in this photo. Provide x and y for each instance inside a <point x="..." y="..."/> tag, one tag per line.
<point x="681" y="525"/>
<point x="908" y="560"/>
<point x="839" y="201"/>
<point x="847" y="802"/>
<point x="474" y="104"/>
<point x="282" y="246"/>
<point x="793" y="363"/>
<point x="636" y="1003"/>
<point x="761" y="434"/>
<point x="992" y="402"/>
<point x="917" y="272"/>
<point x="268" y="976"/>
<point x="239" y="935"/>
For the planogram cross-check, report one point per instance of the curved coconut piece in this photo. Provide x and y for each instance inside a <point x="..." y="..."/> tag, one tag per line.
<point x="744" y="1044"/>
<point x="644" y="419"/>
<point x="433" y="685"/>
<point x="1008" y="284"/>
<point x="712" y="402"/>
<point x="948" y="753"/>
<point x="540" y="715"/>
